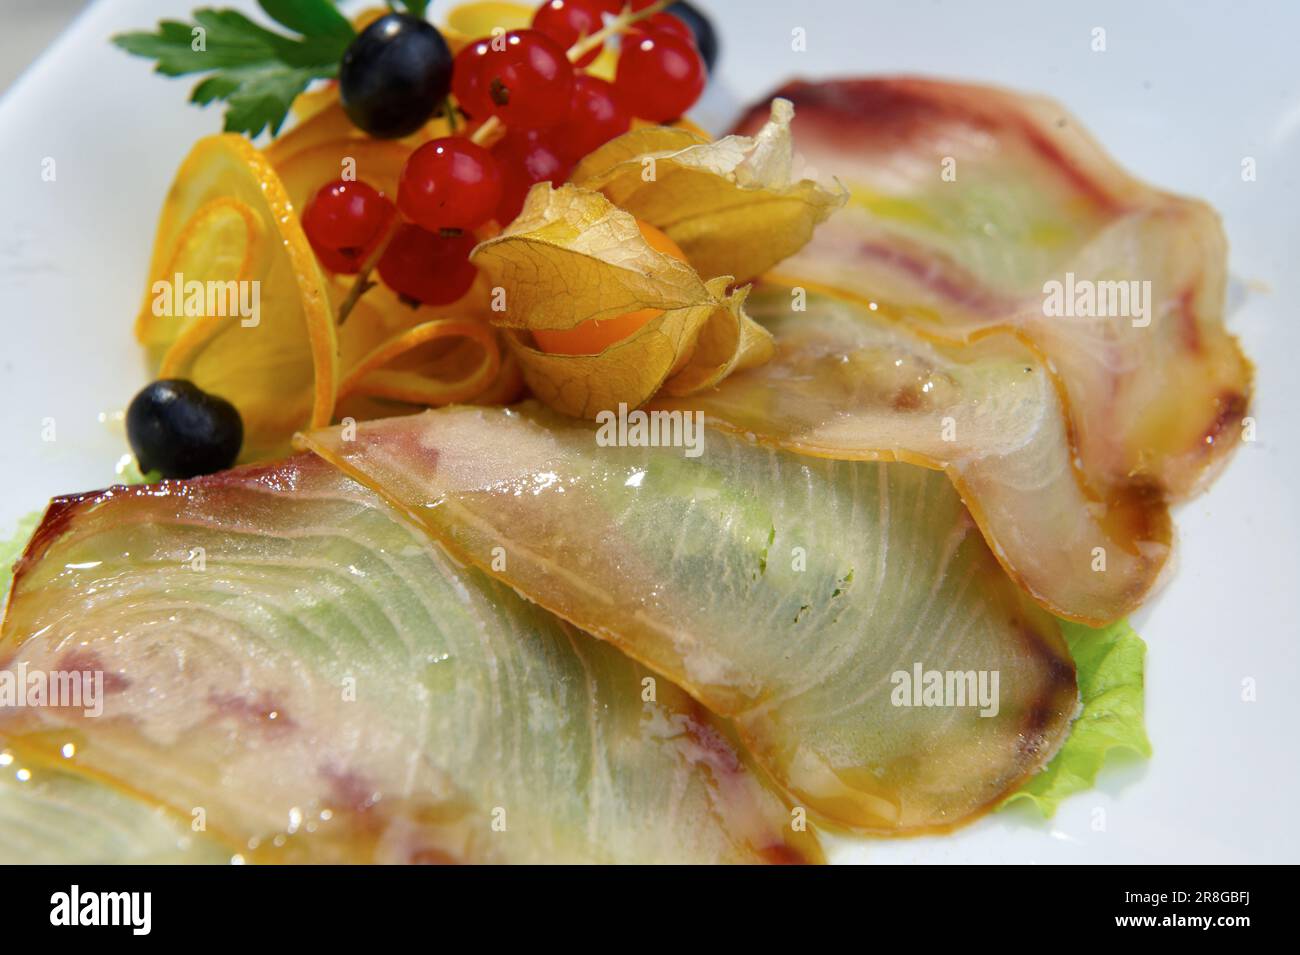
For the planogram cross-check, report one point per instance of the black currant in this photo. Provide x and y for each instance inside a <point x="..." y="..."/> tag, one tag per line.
<point x="706" y="38"/>
<point x="394" y="75"/>
<point x="181" y="431"/>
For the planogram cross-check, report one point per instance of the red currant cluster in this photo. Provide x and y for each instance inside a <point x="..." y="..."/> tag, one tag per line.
<point x="553" y="113"/>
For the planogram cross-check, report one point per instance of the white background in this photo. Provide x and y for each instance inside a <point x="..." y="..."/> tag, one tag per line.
<point x="1182" y="93"/>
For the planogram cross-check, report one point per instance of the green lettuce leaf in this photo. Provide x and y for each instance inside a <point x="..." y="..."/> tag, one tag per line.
<point x="12" y="548"/>
<point x="1109" y="663"/>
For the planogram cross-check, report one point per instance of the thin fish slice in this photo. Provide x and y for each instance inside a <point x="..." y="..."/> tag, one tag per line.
<point x="848" y="384"/>
<point x="796" y="596"/>
<point x="288" y="660"/>
<point x="52" y="817"/>
<point x="973" y="208"/>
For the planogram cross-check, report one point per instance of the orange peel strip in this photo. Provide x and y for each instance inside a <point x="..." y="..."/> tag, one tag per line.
<point x="370" y="376"/>
<point x="507" y="387"/>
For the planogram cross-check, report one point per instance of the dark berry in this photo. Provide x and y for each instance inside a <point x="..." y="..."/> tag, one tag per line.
<point x="181" y="431"/>
<point x="706" y="38"/>
<point x="394" y="75"/>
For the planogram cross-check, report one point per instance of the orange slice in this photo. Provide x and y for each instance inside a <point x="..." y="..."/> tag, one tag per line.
<point x="222" y="240"/>
<point x="249" y="318"/>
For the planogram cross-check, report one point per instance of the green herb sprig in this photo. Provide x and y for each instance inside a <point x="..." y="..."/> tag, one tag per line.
<point x="256" y="72"/>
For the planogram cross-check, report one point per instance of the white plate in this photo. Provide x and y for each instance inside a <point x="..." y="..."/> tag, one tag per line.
<point x="1183" y="92"/>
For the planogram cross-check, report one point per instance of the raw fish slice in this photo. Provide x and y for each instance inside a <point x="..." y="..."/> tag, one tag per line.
<point x="287" y="656"/>
<point x="848" y="384"/>
<point x="52" y="817"/>
<point x="967" y="202"/>
<point x="799" y="597"/>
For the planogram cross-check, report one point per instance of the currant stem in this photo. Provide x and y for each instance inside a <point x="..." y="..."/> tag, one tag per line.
<point x="616" y="26"/>
<point x="362" y="284"/>
<point x="487" y="134"/>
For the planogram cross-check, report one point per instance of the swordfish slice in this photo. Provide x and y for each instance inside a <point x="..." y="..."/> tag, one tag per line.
<point x="804" y="599"/>
<point x="288" y="660"/>
<point x="51" y="817"/>
<point x="847" y="384"/>
<point x="974" y="208"/>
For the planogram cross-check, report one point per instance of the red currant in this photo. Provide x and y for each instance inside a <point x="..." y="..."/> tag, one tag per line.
<point x="664" y="23"/>
<point x="467" y="78"/>
<point x="567" y="21"/>
<point x="596" y="115"/>
<point x="527" y="157"/>
<point x="344" y="222"/>
<point x="341" y="262"/>
<point x="426" y="267"/>
<point x="660" y="75"/>
<point x="523" y="76"/>
<point x="449" y="183"/>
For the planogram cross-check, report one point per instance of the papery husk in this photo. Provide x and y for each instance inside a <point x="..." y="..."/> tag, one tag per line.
<point x="571" y="257"/>
<point x="732" y="205"/>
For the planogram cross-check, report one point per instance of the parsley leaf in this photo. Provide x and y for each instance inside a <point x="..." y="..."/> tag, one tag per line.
<point x="255" y="71"/>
